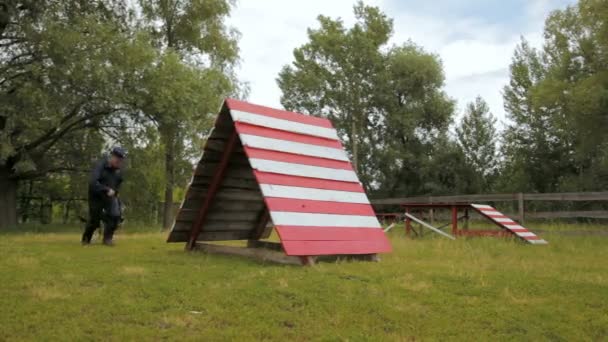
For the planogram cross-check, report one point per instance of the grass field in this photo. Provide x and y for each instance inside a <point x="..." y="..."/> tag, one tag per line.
<point x="430" y="289"/>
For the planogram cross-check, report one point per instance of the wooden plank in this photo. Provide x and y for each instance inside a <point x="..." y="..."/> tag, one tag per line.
<point x="259" y="254"/>
<point x="217" y="215"/>
<point x="225" y="205"/>
<point x="228" y="182"/>
<point x="238" y="158"/>
<point x="567" y="196"/>
<point x="568" y="214"/>
<point x="445" y="199"/>
<point x="217" y="226"/>
<point x="236" y="172"/>
<point x="227" y="194"/>
<point x="183" y="236"/>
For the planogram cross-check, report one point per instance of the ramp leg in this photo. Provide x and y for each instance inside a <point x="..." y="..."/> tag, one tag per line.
<point x="307" y="260"/>
<point x="454" y="220"/>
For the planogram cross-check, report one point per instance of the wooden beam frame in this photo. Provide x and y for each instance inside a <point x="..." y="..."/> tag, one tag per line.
<point x="214" y="186"/>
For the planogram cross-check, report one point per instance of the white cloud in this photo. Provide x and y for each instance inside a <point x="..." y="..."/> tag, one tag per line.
<point x="475" y="53"/>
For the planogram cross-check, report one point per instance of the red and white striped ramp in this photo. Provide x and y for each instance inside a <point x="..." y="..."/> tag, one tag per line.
<point x="289" y="166"/>
<point x="507" y="223"/>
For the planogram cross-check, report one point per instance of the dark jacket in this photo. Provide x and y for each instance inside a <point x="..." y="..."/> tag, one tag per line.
<point x="103" y="178"/>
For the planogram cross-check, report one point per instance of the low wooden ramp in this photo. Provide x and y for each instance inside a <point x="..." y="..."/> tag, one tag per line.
<point x="507" y="223"/>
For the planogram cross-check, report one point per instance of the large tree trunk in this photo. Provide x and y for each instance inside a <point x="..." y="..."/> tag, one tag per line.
<point x="8" y="199"/>
<point x="170" y="179"/>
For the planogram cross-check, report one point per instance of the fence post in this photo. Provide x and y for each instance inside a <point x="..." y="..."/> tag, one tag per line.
<point x="521" y="207"/>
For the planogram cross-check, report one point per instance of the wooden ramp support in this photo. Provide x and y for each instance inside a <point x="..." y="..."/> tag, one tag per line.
<point x="262" y="165"/>
<point x="426" y="225"/>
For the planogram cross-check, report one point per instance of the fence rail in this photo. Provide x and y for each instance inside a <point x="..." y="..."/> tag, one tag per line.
<point x="520" y="198"/>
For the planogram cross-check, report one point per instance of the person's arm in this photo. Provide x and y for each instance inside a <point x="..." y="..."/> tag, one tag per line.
<point x="94" y="181"/>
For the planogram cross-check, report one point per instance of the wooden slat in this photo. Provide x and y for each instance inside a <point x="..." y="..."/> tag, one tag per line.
<point x="209" y="169"/>
<point x="226" y="205"/>
<point x="217" y="226"/>
<point x="227" y="194"/>
<point x="217" y="144"/>
<point x="215" y="156"/>
<point x="228" y="182"/>
<point x="568" y="214"/>
<point x="182" y="236"/>
<point x="218" y="215"/>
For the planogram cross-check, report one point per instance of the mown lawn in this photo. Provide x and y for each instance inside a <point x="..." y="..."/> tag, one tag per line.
<point x="429" y="289"/>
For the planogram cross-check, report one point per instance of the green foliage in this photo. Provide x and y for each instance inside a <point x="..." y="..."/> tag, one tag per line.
<point x="194" y="71"/>
<point x="557" y="100"/>
<point x="386" y="102"/>
<point x="477" y="138"/>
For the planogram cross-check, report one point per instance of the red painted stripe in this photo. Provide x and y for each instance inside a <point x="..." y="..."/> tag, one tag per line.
<point x="336" y="247"/>
<point x="277" y="113"/>
<point x="296" y="159"/>
<point x="530" y="237"/>
<point x="510" y="223"/>
<point x="318" y="207"/>
<point x="305" y="182"/>
<point x="300" y="233"/>
<point x="266" y="132"/>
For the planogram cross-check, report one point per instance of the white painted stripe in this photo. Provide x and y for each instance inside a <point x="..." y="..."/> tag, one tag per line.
<point x="491" y="211"/>
<point x="480" y="206"/>
<point x="501" y="219"/>
<point x="525" y="234"/>
<point x="303" y="170"/>
<point x="323" y="220"/>
<point x="284" y="125"/>
<point x="538" y="242"/>
<point x="284" y="191"/>
<point x="516" y="227"/>
<point x="293" y="147"/>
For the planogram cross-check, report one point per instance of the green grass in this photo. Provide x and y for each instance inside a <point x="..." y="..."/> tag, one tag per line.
<point x="427" y="289"/>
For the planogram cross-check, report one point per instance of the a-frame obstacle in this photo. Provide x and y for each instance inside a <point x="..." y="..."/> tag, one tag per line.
<point x="263" y="165"/>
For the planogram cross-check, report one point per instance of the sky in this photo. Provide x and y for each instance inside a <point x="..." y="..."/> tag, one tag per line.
<point x="474" y="39"/>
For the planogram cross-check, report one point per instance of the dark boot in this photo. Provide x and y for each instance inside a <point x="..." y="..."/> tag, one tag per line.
<point x="108" y="233"/>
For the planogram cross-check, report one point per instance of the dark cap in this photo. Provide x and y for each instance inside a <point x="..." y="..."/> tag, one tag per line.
<point x="119" y="152"/>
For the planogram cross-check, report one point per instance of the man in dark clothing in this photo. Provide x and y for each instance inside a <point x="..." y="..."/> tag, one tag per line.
<point x="104" y="184"/>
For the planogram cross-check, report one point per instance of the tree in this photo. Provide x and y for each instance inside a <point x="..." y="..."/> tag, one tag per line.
<point x="66" y="67"/>
<point x="415" y="114"/>
<point x="477" y="139"/>
<point x="386" y="103"/>
<point x="334" y="75"/>
<point x="197" y="54"/>
<point x="557" y="100"/>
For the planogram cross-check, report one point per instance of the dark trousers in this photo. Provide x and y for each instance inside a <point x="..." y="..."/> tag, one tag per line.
<point x="96" y="215"/>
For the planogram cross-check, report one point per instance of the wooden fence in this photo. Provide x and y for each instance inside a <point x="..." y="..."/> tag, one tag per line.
<point x="520" y="198"/>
